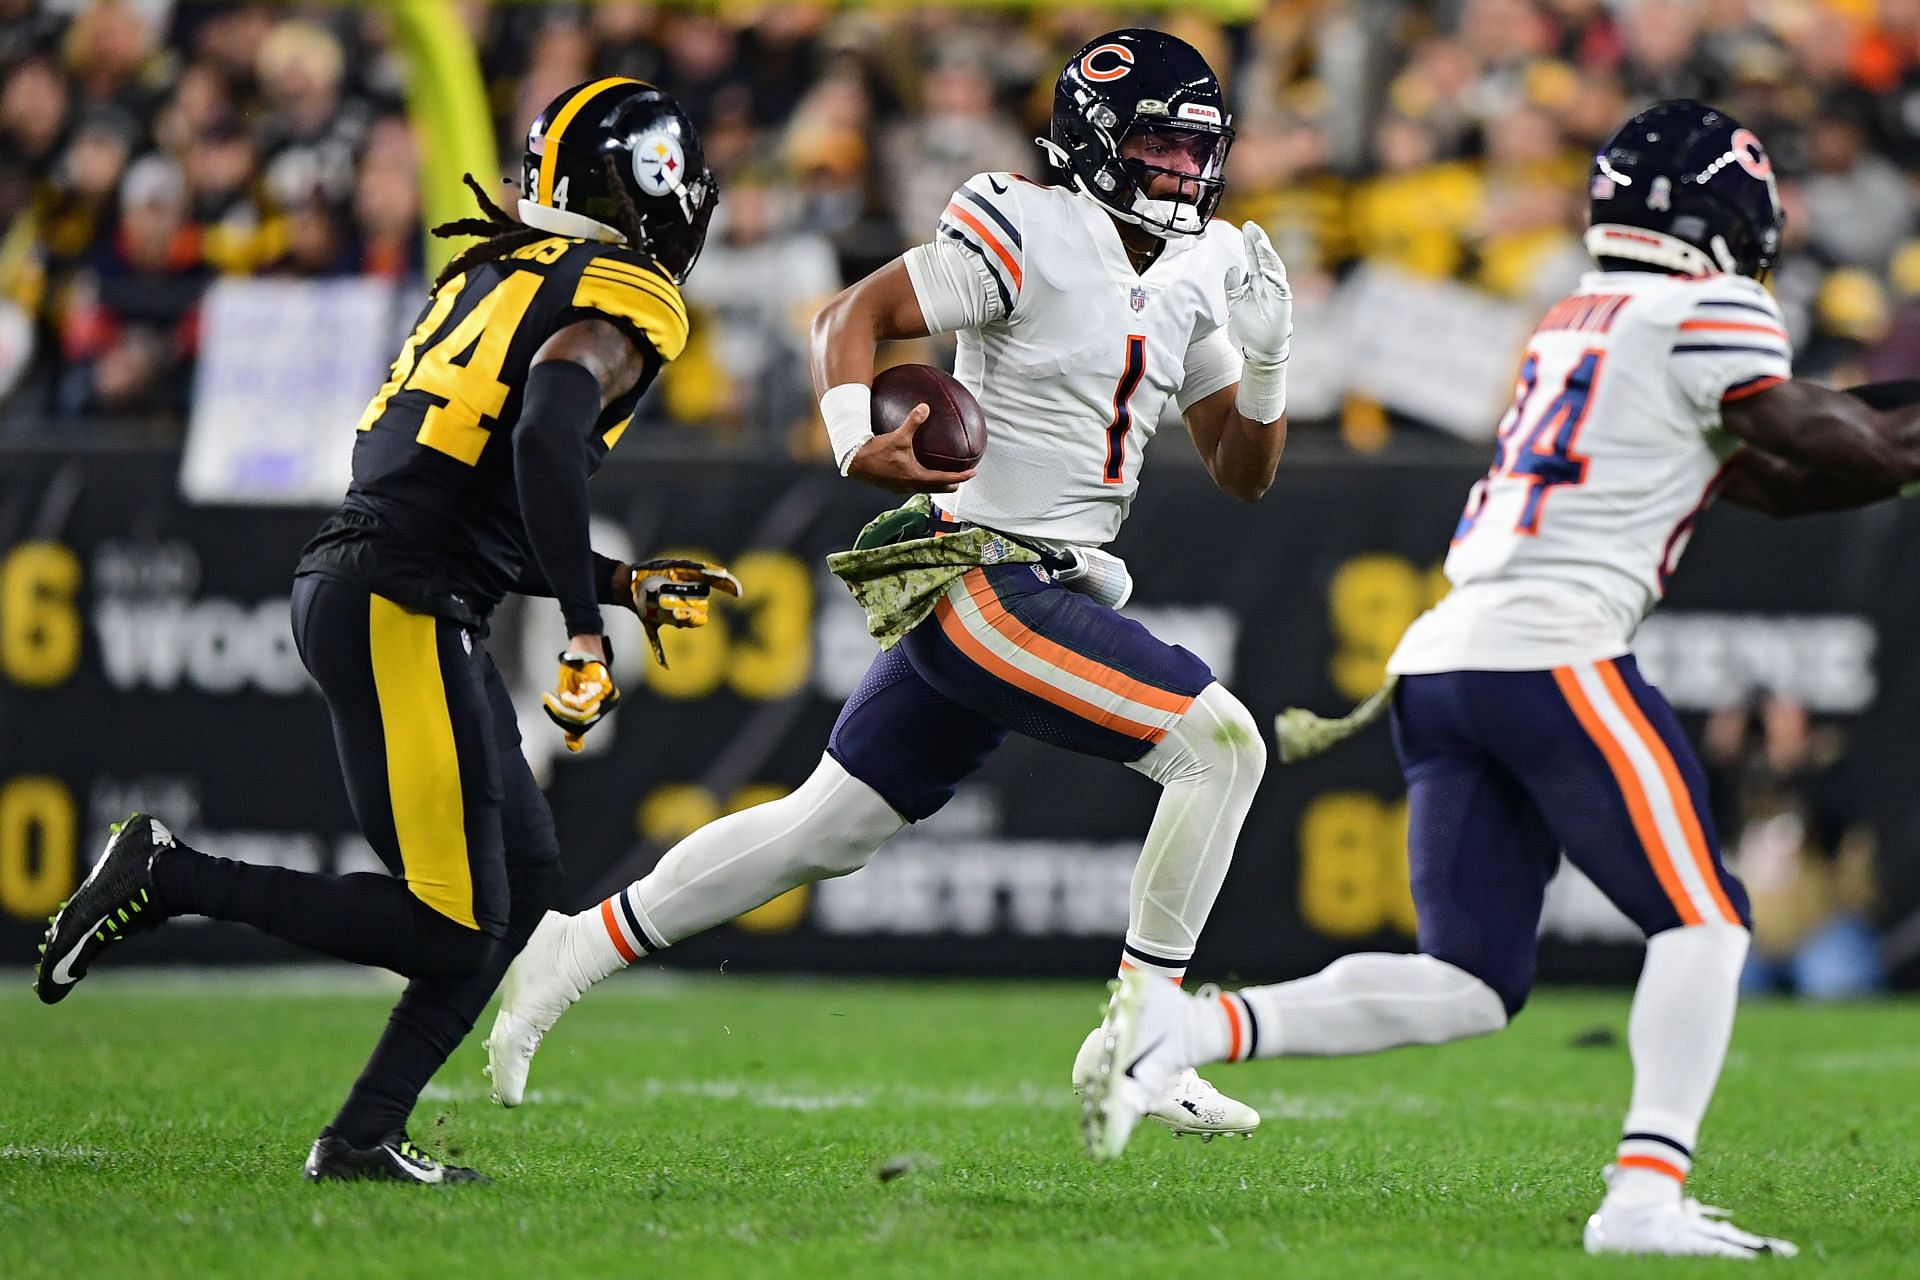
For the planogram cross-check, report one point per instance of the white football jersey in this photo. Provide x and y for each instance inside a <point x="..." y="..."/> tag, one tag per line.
<point x="1072" y="354"/>
<point x="1610" y="453"/>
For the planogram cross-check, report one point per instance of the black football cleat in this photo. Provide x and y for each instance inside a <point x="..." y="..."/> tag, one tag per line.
<point x="393" y="1159"/>
<point x="115" y="901"/>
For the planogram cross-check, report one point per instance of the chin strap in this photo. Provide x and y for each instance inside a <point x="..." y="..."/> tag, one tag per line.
<point x="1656" y="248"/>
<point x="1060" y="160"/>
<point x="564" y="222"/>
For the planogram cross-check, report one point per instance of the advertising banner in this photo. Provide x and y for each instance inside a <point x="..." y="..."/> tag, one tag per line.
<point x="145" y="662"/>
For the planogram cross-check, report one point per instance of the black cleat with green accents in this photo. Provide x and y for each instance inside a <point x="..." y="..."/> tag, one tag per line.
<point x="393" y="1159"/>
<point x="115" y="901"/>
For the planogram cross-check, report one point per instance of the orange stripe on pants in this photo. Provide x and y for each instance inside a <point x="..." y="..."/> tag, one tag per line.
<point x="1629" y="784"/>
<point x="1682" y="798"/>
<point x="1058" y="655"/>
<point x="992" y="663"/>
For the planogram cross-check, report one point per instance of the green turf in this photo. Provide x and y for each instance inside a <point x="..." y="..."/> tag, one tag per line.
<point x="733" y="1127"/>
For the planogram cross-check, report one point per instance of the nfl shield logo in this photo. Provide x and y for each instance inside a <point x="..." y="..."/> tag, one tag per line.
<point x="1139" y="298"/>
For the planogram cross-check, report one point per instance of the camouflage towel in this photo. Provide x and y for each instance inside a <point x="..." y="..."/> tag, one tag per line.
<point x="898" y="573"/>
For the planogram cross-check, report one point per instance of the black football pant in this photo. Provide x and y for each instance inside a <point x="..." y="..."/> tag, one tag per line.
<point x="430" y="749"/>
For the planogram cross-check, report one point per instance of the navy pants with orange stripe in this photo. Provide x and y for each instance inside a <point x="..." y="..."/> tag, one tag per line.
<point x="1505" y="769"/>
<point x="1008" y="650"/>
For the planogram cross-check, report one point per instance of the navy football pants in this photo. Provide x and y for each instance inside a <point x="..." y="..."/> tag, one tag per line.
<point x="1505" y="769"/>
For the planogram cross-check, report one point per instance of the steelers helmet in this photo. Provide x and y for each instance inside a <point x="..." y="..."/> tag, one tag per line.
<point x="1130" y="83"/>
<point x="624" y="131"/>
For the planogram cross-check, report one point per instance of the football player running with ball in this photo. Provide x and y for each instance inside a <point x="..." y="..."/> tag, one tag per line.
<point x="469" y="481"/>
<point x="1524" y="727"/>
<point x="1082" y="310"/>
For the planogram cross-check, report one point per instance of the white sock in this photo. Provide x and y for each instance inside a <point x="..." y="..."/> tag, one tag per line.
<point x="1208" y="766"/>
<point x="1358" y="1004"/>
<point x="829" y="827"/>
<point x="1678" y="1031"/>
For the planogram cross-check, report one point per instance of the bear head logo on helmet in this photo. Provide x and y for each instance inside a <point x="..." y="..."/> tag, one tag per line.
<point x="1140" y="126"/>
<point x="618" y="160"/>
<point x="1686" y="189"/>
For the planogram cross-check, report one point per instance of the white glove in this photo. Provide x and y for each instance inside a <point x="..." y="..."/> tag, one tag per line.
<point x="1259" y="301"/>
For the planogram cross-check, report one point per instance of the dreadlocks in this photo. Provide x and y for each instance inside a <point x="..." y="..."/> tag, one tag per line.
<point x="504" y="233"/>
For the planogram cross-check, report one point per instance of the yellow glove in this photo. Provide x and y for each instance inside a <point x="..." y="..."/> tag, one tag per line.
<point x="584" y="694"/>
<point x="674" y="593"/>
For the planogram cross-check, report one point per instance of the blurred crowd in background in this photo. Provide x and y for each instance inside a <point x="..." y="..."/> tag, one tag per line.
<point x="149" y="147"/>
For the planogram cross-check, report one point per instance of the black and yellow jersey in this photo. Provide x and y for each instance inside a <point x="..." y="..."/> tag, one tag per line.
<point x="432" y="519"/>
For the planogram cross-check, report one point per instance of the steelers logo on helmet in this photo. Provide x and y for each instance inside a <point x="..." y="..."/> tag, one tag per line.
<point x="658" y="163"/>
<point x="617" y="160"/>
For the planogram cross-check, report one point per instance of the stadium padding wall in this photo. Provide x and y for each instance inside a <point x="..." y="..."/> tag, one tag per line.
<point x="145" y="662"/>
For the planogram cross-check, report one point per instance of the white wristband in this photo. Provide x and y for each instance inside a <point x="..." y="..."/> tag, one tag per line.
<point x="1262" y="396"/>
<point x="848" y="412"/>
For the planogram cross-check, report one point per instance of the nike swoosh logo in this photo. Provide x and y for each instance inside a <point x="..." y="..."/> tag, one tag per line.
<point x="63" y="971"/>
<point x="1142" y="1056"/>
<point x="997" y="188"/>
<point x="425" y="1172"/>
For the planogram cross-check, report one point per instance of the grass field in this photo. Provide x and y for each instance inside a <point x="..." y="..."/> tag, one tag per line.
<point x="735" y="1127"/>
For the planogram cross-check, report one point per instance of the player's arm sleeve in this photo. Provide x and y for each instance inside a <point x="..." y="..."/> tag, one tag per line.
<point x="639" y="300"/>
<point x="1732" y="342"/>
<point x="532" y="582"/>
<point x="1213" y="362"/>
<point x="972" y="271"/>
<point x="550" y="465"/>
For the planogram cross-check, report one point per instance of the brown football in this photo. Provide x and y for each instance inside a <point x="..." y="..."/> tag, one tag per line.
<point x="955" y="433"/>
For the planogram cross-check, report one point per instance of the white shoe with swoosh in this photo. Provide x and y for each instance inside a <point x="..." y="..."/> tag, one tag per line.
<point x="1191" y="1106"/>
<point x="1145" y="1046"/>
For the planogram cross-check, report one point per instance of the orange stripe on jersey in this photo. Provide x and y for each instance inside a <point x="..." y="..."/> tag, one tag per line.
<point x="620" y="943"/>
<point x="991" y="662"/>
<point x="992" y="242"/>
<point x="1676" y="785"/>
<point x="1746" y="389"/>
<point x="1736" y="326"/>
<point x="1637" y="807"/>
<point x="1067" y="660"/>
<point x="1653" y="1163"/>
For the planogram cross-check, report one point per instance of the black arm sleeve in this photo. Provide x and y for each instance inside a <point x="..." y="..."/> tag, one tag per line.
<point x="550" y="474"/>
<point x="532" y="582"/>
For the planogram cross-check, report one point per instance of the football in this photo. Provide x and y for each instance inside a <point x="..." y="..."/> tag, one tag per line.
<point x="955" y="433"/>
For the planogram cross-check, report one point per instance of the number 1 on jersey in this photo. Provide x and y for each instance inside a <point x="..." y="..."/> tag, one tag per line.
<point x="1122" y="422"/>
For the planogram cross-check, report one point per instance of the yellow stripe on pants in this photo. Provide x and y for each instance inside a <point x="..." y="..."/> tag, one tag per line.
<point x="423" y="767"/>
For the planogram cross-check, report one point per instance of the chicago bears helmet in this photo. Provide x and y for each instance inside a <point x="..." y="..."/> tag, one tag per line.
<point x="1130" y="83"/>
<point x="1684" y="188"/>
<point x="628" y="132"/>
